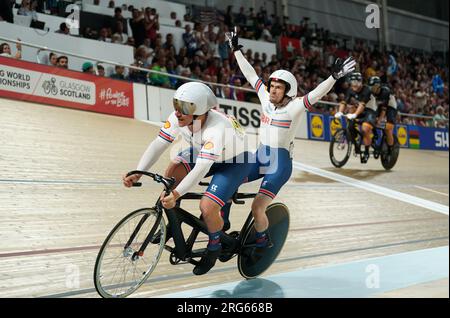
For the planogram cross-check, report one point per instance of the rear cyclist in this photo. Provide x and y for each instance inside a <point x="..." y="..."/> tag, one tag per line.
<point x="281" y="111"/>
<point x="387" y="106"/>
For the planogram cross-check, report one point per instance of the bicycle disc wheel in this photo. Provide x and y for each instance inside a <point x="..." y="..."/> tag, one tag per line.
<point x="389" y="159"/>
<point x="340" y="148"/>
<point x="116" y="273"/>
<point x="278" y="215"/>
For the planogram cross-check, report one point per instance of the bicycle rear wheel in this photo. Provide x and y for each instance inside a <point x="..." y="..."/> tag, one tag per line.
<point x="278" y="215"/>
<point x="340" y="148"/>
<point x="119" y="270"/>
<point x="389" y="159"/>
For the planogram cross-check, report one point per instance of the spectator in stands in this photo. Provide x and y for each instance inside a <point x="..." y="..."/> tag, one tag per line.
<point x="238" y="94"/>
<point x="372" y="70"/>
<point x="100" y="70"/>
<point x="170" y="66"/>
<point x="241" y="18"/>
<point x="189" y="40"/>
<point x="199" y="34"/>
<point x="440" y="121"/>
<point x="88" y="67"/>
<point x="160" y="79"/>
<point x="6" y="12"/>
<point x="178" y="24"/>
<point x="119" y="73"/>
<point x="438" y="84"/>
<point x="52" y="59"/>
<point x="131" y="41"/>
<point x="151" y="24"/>
<point x="89" y="33"/>
<point x="5" y="50"/>
<point x="173" y="15"/>
<point x="62" y="62"/>
<point x="63" y="29"/>
<point x="103" y="35"/>
<point x="111" y="4"/>
<point x="184" y="68"/>
<point x="120" y="34"/>
<point x="168" y="45"/>
<point x="137" y="24"/>
<point x="27" y="10"/>
<point x="116" y="18"/>
<point x="228" y="19"/>
<point x="137" y="76"/>
<point x="265" y="35"/>
<point x="222" y="47"/>
<point x="187" y="17"/>
<point x="96" y="2"/>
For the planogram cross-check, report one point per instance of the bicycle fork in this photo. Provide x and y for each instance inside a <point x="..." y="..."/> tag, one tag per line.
<point x="149" y="237"/>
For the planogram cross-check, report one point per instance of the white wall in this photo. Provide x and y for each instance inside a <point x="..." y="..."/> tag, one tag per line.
<point x="95" y="49"/>
<point x="163" y="8"/>
<point x="51" y="21"/>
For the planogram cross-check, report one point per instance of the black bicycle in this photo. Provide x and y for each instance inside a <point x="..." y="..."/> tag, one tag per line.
<point x="133" y="248"/>
<point x="351" y="136"/>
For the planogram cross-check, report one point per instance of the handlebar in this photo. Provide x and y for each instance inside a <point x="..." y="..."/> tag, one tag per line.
<point x="167" y="182"/>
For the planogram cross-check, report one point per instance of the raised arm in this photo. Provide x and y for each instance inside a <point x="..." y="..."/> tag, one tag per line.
<point x="339" y="69"/>
<point x="244" y="65"/>
<point x="246" y="68"/>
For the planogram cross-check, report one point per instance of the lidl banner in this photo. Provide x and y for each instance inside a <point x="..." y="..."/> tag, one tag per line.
<point x="60" y="87"/>
<point x="322" y="127"/>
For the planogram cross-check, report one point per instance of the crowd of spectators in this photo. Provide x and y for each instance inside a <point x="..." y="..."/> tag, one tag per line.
<point x="418" y="80"/>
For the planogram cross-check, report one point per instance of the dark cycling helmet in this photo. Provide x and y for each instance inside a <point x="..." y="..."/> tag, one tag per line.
<point x="355" y="76"/>
<point x="374" y="80"/>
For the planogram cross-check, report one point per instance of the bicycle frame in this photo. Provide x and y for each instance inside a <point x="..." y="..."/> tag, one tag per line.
<point x="351" y="125"/>
<point x="182" y="249"/>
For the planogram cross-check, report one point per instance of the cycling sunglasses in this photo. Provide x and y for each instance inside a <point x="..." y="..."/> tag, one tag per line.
<point x="186" y="108"/>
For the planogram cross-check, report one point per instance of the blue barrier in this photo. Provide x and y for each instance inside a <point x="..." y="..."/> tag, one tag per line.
<point x="321" y="127"/>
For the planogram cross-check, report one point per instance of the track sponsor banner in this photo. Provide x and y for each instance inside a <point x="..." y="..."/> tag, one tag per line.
<point x="318" y="127"/>
<point x="321" y="127"/>
<point x="401" y="131"/>
<point x="60" y="87"/>
<point x="431" y="138"/>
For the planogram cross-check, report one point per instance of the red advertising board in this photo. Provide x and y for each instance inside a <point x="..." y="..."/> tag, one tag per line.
<point x="60" y="87"/>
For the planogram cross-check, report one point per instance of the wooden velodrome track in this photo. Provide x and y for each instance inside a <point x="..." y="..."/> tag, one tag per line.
<point x="61" y="194"/>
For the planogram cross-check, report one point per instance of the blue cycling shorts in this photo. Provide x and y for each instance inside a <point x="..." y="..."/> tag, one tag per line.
<point x="227" y="176"/>
<point x="274" y="165"/>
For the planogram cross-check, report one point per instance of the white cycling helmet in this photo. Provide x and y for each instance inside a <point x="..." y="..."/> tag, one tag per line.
<point x="289" y="80"/>
<point x="194" y="98"/>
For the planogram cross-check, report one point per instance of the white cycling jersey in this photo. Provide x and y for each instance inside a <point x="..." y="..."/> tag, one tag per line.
<point x="221" y="138"/>
<point x="279" y="124"/>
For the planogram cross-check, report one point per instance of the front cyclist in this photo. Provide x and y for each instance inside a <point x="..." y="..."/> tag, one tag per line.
<point x="280" y="117"/>
<point x="360" y="95"/>
<point x="209" y="132"/>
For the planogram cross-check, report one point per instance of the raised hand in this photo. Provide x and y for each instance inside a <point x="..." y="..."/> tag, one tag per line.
<point x="340" y="69"/>
<point x="233" y="39"/>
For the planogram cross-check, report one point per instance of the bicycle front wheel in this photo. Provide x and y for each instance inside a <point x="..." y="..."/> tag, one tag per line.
<point x="340" y="148"/>
<point x="119" y="270"/>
